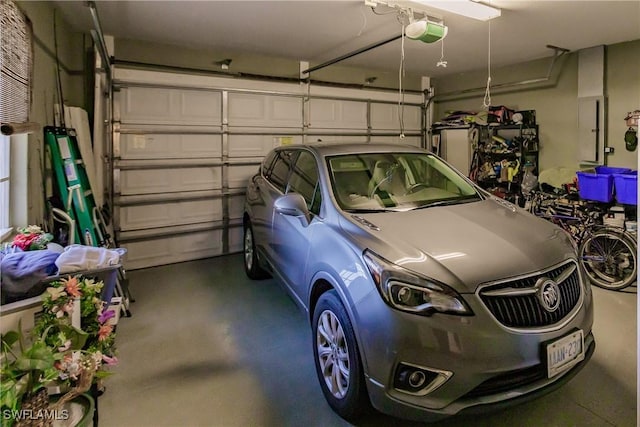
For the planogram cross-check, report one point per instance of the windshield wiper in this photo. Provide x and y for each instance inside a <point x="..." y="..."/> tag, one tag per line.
<point x="447" y="202"/>
<point x="355" y="211"/>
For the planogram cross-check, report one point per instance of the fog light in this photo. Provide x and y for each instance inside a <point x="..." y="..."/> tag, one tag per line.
<point x="418" y="380"/>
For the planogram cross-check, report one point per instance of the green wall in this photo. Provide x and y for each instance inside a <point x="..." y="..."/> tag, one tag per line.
<point x="555" y="101"/>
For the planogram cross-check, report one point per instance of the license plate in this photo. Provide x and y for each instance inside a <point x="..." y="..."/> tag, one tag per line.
<point x="564" y="353"/>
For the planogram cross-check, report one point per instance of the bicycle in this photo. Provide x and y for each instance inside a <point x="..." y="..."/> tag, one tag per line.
<point x="608" y="254"/>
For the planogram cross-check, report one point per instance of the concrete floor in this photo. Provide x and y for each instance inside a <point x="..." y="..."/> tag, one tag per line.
<point x="208" y="347"/>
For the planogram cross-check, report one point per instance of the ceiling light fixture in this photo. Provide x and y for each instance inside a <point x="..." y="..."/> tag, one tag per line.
<point x="468" y="8"/>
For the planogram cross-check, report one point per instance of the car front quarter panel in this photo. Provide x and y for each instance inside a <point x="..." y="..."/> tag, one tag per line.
<point x="474" y="348"/>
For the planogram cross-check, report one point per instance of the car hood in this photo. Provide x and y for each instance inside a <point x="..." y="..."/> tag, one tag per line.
<point x="466" y="244"/>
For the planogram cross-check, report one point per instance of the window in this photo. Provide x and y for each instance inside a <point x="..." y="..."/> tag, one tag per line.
<point x="304" y="181"/>
<point x="5" y="160"/>
<point x="266" y="164"/>
<point x="16" y="72"/>
<point x="279" y="171"/>
<point x="16" y="64"/>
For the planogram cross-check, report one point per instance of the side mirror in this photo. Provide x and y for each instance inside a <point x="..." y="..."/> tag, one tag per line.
<point x="293" y="204"/>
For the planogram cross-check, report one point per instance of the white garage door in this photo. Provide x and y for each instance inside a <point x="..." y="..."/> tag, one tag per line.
<point x="184" y="147"/>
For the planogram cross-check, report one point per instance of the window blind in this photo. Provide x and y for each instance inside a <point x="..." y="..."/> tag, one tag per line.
<point x="16" y="64"/>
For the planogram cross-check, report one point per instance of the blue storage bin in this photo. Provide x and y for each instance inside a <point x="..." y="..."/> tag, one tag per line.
<point x="626" y="187"/>
<point x="595" y="186"/>
<point x="607" y="170"/>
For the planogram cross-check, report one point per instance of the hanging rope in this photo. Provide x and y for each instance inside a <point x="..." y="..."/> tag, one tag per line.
<point x="486" y="102"/>
<point x="442" y="62"/>
<point x="400" y="88"/>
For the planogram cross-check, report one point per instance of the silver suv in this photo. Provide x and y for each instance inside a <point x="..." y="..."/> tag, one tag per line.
<point x="426" y="295"/>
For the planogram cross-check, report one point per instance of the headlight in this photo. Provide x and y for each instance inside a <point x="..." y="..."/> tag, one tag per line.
<point x="406" y="291"/>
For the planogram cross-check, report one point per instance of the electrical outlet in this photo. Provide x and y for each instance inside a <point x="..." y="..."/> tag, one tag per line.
<point x="609" y="150"/>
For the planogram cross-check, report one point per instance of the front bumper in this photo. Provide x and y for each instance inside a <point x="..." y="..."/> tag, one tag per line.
<point x="481" y="354"/>
<point x="392" y="405"/>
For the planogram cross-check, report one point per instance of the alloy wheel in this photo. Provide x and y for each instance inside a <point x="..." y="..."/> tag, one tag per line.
<point x="333" y="354"/>
<point x="248" y="248"/>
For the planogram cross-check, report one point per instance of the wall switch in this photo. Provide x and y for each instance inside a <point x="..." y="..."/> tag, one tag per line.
<point x="608" y="150"/>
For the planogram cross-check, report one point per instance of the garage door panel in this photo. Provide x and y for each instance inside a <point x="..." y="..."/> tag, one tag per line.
<point x="180" y="172"/>
<point x="258" y="145"/>
<point x="407" y="140"/>
<point x="387" y="117"/>
<point x="239" y="175"/>
<point x="200" y="106"/>
<point x="236" y="207"/>
<point x="143" y="105"/>
<point x="236" y="235"/>
<point x="261" y="110"/>
<point x="169" y="146"/>
<point x="169" y="213"/>
<point x="169" y="250"/>
<point x="337" y="114"/>
<point x="149" y="181"/>
<point x="314" y="139"/>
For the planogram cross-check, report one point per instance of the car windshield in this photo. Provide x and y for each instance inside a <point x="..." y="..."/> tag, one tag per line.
<point x="373" y="182"/>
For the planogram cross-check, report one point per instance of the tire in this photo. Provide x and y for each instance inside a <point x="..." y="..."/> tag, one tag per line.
<point x="337" y="358"/>
<point x="610" y="259"/>
<point x="251" y="264"/>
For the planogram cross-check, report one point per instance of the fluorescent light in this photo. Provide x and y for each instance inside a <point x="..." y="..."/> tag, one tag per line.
<point x="468" y="8"/>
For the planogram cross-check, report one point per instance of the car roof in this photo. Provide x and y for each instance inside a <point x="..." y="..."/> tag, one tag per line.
<point x="332" y="149"/>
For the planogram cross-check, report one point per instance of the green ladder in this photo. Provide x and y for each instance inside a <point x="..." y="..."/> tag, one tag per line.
<point x="73" y="185"/>
<point x="77" y="198"/>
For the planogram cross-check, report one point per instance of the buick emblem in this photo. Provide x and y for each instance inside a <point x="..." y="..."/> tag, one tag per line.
<point x="548" y="294"/>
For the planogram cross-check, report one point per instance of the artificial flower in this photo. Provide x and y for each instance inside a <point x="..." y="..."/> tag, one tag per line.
<point x="65" y="346"/>
<point x="72" y="287"/>
<point x="60" y="310"/>
<point x="104" y="332"/>
<point x="32" y="238"/>
<point x="109" y="361"/>
<point x="23" y="241"/>
<point x="55" y="293"/>
<point x="72" y="364"/>
<point x="105" y="316"/>
<point x="30" y="229"/>
<point x="85" y="349"/>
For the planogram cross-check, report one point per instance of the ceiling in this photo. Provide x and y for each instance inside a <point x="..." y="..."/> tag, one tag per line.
<point x="318" y="31"/>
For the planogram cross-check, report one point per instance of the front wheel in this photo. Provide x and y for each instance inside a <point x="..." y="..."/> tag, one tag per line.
<point x="609" y="259"/>
<point x="251" y="265"/>
<point x="337" y="358"/>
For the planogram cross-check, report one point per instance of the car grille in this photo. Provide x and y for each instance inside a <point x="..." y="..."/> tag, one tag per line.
<point x="516" y="303"/>
<point x="509" y="381"/>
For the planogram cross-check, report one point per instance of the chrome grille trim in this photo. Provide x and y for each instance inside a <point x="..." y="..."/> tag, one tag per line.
<point x="514" y="303"/>
<point x="526" y="291"/>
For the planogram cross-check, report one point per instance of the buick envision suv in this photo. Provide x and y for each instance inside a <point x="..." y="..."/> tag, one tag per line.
<point x="426" y="295"/>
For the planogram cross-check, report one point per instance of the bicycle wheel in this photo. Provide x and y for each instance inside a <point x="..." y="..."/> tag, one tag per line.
<point x="610" y="259"/>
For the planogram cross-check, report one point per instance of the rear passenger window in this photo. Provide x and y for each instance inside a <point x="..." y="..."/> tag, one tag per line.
<point x="304" y="181"/>
<point x="279" y="170"/>
<point x="266" y="164"/>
